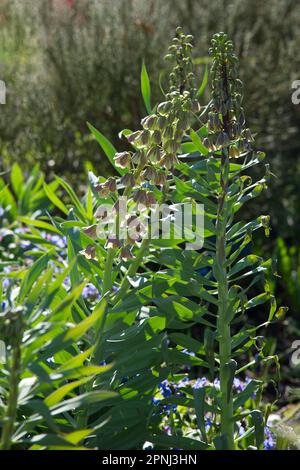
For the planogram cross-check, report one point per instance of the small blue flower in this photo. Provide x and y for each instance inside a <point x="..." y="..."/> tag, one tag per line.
<point x="165" y="389"/>
<point x="200" y="383"/>
<point x="208" y="424"/>
<point x="156" y="401"/>
<point x="270" y="441"/>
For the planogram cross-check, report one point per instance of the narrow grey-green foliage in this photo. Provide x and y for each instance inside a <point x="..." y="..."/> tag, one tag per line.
<point x="94" y="367"/>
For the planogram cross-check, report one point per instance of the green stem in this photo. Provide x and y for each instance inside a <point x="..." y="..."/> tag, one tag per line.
<point x="11" y="410"/>
<point x="224" y="333"/>
<point x="82" y="416"/>
<point x="131" y="271"/>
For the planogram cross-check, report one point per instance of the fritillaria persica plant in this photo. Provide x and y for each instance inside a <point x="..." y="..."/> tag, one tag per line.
<point x="130" y="342"/>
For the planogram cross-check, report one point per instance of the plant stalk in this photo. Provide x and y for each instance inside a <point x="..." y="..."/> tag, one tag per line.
<point x="11" y="410"/>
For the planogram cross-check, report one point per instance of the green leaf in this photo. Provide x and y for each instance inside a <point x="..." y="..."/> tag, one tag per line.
<point x="198" y="143"/>
<point x="39" y="224"/>
<point x="204" y="82"/>
<point x="32" y="274"/>
<point x="58" y="395"/>
<point x="107" y="147"/>
<point x="258" y="422"/>
<point x="199" y="396"/>
<point x="170" y="442"/>
<point x="54" y="199"/>
<point x="80" y="209"/>
<point x="145" y="88"/>
<point x="17" y="179"/>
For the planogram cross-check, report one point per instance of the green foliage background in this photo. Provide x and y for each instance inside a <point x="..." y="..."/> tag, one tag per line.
<point x="64" y="66"/>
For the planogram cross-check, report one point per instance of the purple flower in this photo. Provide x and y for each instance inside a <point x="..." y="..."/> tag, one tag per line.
<point x="208" y="424"/>
<point x="165" y="389"/>
<point x="270" y="441"/>
<point x="200" y="383"/>
<point x="90" y="292"/>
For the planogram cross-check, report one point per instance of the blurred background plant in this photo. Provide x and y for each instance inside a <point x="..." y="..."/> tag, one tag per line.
<point x="66" y="62"/>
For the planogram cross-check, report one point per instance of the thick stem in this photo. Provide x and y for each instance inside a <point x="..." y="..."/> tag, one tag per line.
<point x="224" y="333"/>
<point x="131" y="271"/>
<point x="11" y="410"/>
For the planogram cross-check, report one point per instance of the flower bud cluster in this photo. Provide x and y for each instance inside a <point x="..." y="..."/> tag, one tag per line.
<point x="157" y="144"/>
<point x="12" y="326"/>
<point x="226" y="120"/>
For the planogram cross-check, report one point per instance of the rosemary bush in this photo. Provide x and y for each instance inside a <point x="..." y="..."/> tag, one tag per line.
<point x="114" y="336"/>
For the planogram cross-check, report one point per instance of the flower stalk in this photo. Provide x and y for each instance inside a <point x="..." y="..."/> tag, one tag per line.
<point x="12" y="330"/>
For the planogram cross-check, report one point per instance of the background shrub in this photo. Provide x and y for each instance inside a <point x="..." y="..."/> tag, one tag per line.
<point x="66" y="62"/>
